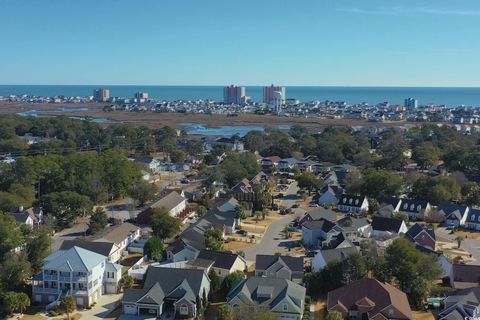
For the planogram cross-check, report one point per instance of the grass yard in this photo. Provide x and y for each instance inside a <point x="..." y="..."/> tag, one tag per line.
<point x="467" y="234"/>
<point x="423" y="315"/>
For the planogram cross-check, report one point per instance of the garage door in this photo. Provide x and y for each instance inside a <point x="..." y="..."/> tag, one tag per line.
<point x="129" y="309"/>
<point x="79" y="301"/>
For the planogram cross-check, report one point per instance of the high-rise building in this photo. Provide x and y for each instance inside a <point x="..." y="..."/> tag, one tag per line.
<point x="269" y="94"/>
<point x="141" y="96"/>
<point x="101" y="95"/>
<point x="233" y="94"/>
<point x="411" y="103"/>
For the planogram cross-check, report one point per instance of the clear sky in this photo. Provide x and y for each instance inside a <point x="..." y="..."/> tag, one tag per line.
<point x="248" y="42"/>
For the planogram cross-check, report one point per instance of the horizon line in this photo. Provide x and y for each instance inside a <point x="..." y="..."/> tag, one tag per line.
<point x="250" y="85"/>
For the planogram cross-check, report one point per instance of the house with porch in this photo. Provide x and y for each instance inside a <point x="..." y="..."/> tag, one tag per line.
<point x="78" y="272"/>
<point x="171" y="292"/>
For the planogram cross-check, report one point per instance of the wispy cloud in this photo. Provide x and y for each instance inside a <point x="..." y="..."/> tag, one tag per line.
<point x="400" y="11"/>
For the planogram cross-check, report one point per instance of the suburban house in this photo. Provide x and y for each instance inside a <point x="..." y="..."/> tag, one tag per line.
<point x="369" y="299"/>
<point x="328" y="196"/>
<point x="455" y="215"/>
<point x="324" y="257"/>
<point x="122" y="235"/>
<point x="355" y="226"/>
<point x="31" y="216"/>
<point x="173" y="202"/>
<point x="287" y="164"/>
<point x="387" y="226"/>
<point x="473" y="219"/>
<point x="191" y="241"/>
<point x="222" y="263"/>
<point x="388" y="207"/>
<point x="463" y="304"/>
<point x="280" y="296"/>
<point x="285" y="267"/>
<point x="352" y="204"/>
<point x="168" y="291"/>
<point x="270" y="162"/>
<point x="231" y="144"/>
<point x="415" y="209"/>
<point x="339" y="240"/>
<point x="78" y="272"/>
<point x="464" y="276"/>
<point x="422" y="235"/>
<point x="317" y="231"/>
<point x="108" y="249"/>
<point x="317" y="214"/>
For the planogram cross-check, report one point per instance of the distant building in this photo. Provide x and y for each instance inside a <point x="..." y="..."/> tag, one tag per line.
<point x="141" y="96"/>
<point x="233" y="94"/>
<point x="269" y="94"/>
<point x="411" y="103"/>
<point x="278" y="100"/>
<point x="101" y="95"/>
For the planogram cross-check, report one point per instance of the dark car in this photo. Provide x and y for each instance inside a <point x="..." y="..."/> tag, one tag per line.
<point x="242" y="232"/>
<point x="275" y="208"/>
<point x="295" y="206"/>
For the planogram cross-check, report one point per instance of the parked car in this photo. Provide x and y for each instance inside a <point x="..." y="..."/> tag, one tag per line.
<point x="242" y="232"/>
<point x="275" y="207"/>
<point x="313" y="205"/>
<point x="295" y="205"/>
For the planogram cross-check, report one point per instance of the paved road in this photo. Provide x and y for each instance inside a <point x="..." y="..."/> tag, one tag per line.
<point x="290" y="196"/>
<point x="68" y="234"/>
<point x="272" y="240"/>
<point x="470" y="245"/>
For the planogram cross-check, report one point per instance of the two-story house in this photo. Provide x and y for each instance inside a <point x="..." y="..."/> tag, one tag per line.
<point x="78" y="272"/>
<point x="172" y="292"/>
<point x="281" y="296"/>
<point x="317" y="231"/>
<point x="274" y="266"/>
<point x="121" y="235"/>
<point x="352" y="204"/>
<point x="222" y="263"/>
<point x="415" y="209"/>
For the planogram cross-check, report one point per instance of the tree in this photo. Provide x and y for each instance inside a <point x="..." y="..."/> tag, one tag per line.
<point x="67" y="305"/>
<point x="459" y="241"/>
<point x="232" y="279"/>
<point x="257" y="214"/>
<point x="286" y="232"/>
<point x="471" y="194"/>
<point x="308" y="181"/>
<point x="225" y="312"/>
<point x="215" y="280"/>
<point x="98" y="221"/>
<point x="240" y="211"/>
<point x="23" y="301"/>
<point x="154" y="248"/>
<point x="11" y="235"/>
<point x="426" y="154"/>
<point x="436" y="190"/>
<point x="354" y="182"/>
<point x="16" y="271"/>
<point x="142" y="191"/>
<point x="126" y="282"/>
<point x="201" y="210"/>
<point x="265" y="213"/>
<point x="65" y="206"/>
<point x="334" y="315"/>
<point x="11" y="301"/>
<point x="380" y="183"/>
<point x="214" y="239"/>
<point x="164" y="226"/>
<point x="262" y="314"/>
<point x="178" y="156"/>
<point x="38" y="247"/>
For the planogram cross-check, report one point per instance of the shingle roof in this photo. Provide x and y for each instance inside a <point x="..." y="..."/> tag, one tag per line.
<point x="449" y="208"/>
<point x="331" y="255"/>
<point x="268" y="292"/>
<point x="461" y="304"/>
<point x="116" y="234"/>
<point x="320" y="213"/>
<point x="386" y="224"/>
<point x="321" y="224"/>
<point x="416" y="229"/>
<point x="170" y="201"/>
<point x="222" y="260"/>
<point x="466" y="273"/>
<point x="264" y="261"/>
<point x="382" y="295"/>
<point x="414" y="206"/>
<point x="100" y="247"/>
<point x="351" y="200"/>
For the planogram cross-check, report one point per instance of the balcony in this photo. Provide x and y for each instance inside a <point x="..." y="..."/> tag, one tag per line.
<point x="50" y="277"/>
<point x="79" y="279"/>
<point x="38" y="289"/>
<point x="80" y="292"/>
<point x="64" y="278"/>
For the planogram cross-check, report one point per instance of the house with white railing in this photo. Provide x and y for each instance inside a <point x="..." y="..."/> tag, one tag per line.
<point x="77" y="272"/>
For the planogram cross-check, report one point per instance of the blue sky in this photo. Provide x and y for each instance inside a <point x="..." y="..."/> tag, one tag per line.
<point x="249" y="42"/>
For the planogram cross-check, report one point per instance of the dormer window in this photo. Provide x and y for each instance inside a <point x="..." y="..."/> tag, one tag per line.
<point x="405" y="206"/>
<point x="350" y="201"/>
<point x="356" y="202"/>
<point x="412" y="207"/>
<point x="344" y="200"/>
<point x="285" y="307"/>
<point x="473" y="217"/>
<point x="419" y="208"/>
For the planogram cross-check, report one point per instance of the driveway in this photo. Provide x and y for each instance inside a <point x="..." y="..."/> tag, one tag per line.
<point x="272" y="240"/>
<point x="105" y="305"/>
<point x="470" y="245"/>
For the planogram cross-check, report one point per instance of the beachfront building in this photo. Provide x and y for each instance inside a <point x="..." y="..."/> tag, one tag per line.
<point x="269" y="94"/>
<point x="101" y="95"/>
<point x="233" y="94"/>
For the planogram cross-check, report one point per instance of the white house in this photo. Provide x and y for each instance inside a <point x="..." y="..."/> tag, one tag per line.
<point x="121" y="235"/>
<point x="81" y="273"/>
<point x="352" y="204"/>
<point x="324" y="257"/>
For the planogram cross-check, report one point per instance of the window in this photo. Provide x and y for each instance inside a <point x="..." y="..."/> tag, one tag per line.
<point x="350" y="201"/>
<point x="405" y="206"/>
<point x="419" y="208"/>
<point x="344" y="200"/>
<point x="184" y="309"/>
<point x="285" y="307"/>
<point x="473" y="217"/>
<point x="412" y="206"/>
<point x="356" y="202"/>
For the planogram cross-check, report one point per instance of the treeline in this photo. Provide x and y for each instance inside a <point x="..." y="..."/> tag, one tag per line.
<point x="66" y="186"/>
<point x="64" y="135"/>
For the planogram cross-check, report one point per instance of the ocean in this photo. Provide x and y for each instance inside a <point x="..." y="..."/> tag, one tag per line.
<point x="452" y="97"/>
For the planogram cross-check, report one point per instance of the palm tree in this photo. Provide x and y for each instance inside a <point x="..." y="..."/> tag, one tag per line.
<point x="23" y="301"/>
<point x="68" y="305"/>
<point x="459" y="240"/>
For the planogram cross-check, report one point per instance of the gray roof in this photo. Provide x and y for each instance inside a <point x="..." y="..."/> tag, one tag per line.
<point x="268" y="292"/>
<point x="100" y="247"/>
<point x="321" y="224"/>
<point x="170" y="201"/>
<point x="331" y="255"/>
<point x="264" y="261"/>
<point x="73" y="259"/>
<point x="386" y="224"/>
<point x="320" y="212"/>
<point x="116" y="234"/>
<point x="222" y="260"/>
<point x="352" y="224"/>
<point x="460" y="305"/>
<point x="173" y="283"/>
